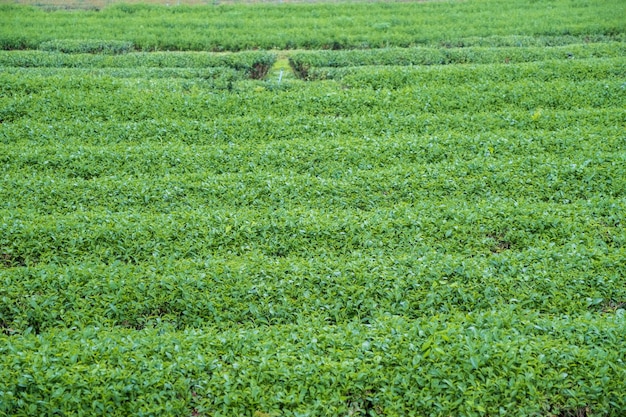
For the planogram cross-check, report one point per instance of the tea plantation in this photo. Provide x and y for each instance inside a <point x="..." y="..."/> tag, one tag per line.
<point x="421" y="211"/>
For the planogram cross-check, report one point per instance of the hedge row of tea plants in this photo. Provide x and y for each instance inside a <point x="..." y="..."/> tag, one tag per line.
<point x="211" y="78"/>
<point x="303" y="62"/>
<point x="137" y="101"/>
<point x="504" y="361"/>
<point x="313" y="26"/>
<point x="254" y="64"/>
<point x="396" y="77"/>
<point x="91" y="46"/>
<point x="229" y="266"/>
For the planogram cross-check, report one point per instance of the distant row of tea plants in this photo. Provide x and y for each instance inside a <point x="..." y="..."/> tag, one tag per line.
<point x="121" y="27"/>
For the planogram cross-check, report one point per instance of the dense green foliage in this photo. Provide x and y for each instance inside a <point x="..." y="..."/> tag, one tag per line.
<point x="250" y="64"/>
<point x="89" y="46"/>
<point x="303" y="63"/>
<point x="502" y="362"/>
<point x="313" y="26"/>
<point x="427" y="231"/>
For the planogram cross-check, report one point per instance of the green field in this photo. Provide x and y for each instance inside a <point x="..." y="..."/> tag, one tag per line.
<point x="426" y="217"/>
